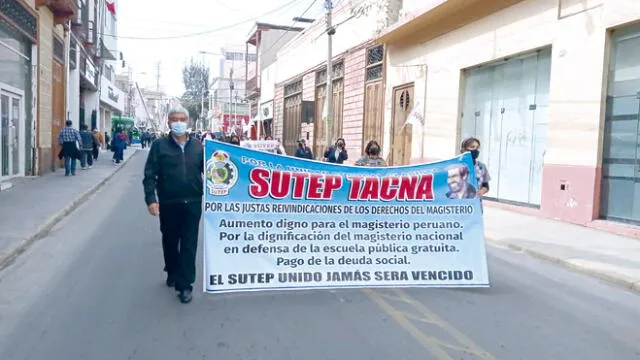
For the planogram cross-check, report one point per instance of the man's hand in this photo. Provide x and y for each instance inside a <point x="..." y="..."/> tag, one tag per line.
<point x="154" y="210"/>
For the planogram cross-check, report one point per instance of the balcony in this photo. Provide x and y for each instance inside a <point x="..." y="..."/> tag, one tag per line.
<point x="253" y="88"/>
<point x="63" y="10"/>
<point x="426" y="20"/>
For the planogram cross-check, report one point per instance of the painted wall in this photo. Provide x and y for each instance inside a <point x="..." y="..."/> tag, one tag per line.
<point x="578" y="34"/>
<point x="359" y="21"/>
<point x="268" y="82"/>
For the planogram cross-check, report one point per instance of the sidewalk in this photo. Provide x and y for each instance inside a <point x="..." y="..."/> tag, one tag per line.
<point x="33" y="206"/>
<point x="597" y="253"/>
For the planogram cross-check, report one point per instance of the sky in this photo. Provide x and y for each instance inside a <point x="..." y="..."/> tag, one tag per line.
<point x="169" y="18"/>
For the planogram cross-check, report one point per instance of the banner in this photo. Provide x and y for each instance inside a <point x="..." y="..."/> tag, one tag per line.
<point x="277" y="222"/>
<point x="271" y="146"/>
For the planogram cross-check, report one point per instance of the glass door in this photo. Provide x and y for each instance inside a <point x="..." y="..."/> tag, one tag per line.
<point x="621" y="150"/>
<point x="11" y="130"/>
<point x="505" y="106"/>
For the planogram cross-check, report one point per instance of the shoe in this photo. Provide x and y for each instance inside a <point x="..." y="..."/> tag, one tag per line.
<point x="90" y="166"/>
<point x="170" y="281"/>
<point x="185" y="296"/>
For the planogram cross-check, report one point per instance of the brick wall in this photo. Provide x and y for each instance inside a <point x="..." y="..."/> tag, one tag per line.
<point x="354" y="101"/>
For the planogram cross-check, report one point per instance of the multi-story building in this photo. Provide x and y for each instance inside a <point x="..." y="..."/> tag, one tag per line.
<point x="93" y="98"/>
<point x="112" y="98"/>
<point x="551" y="88"/>
<point x="358" y="86"/>
<point x="227" y="92"/>
<point x="265" y="40"/>
<point x="32" y="82"/>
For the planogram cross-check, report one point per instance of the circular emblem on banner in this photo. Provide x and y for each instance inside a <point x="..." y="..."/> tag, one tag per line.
<point x="222" y="173"/>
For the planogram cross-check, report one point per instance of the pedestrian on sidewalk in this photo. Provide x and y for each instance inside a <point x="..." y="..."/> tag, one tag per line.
<point x="88" y="144"/>
<point x="173" y="172"/>
<point x="71" y="142"/>
<point x="99" y="143"/>
<point x="118" y="145"/>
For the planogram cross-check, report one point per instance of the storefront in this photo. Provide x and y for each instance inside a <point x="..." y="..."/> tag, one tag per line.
<point x="17" y="39"/>
<point x="506" y="108"/>
<point x="111" y="102"/>
<point x="621" y="156"/>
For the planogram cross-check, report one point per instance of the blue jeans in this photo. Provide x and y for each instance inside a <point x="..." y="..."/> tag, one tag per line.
<point x="87" y="158"/>
<point x="69" y="165"/>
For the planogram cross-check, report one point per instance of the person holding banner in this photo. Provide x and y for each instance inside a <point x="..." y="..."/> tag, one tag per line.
<point x="174" y="170"/>
<point x="472" y="145"/>
<point x="372" y="156"/>
<point x="337" y="154"/>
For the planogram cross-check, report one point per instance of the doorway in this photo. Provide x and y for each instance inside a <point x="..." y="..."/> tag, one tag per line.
<point x="401" y="132"/>
<point x="11" y="132"/>
<point x="506" y="106"/>
<point x="621" y="143"/>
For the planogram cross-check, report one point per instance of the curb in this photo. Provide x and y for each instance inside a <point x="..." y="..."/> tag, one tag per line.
<point x="44" y="229"/>
<point x="629" y="285"/>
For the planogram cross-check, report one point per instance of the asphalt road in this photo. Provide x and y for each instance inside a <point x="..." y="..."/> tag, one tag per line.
<point x="94" y="289"/>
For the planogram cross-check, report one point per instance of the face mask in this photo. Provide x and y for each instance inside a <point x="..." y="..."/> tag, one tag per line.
<point x="179" y="127"/>
<point x="340" y="144"/>
<point x="374" y="151"/>
<point x="475" y="153"/>
<point x="235" y="142"/>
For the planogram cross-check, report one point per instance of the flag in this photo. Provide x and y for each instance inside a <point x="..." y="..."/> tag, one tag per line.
<point x="111" y="7"/>
<point x="415" y="116"/>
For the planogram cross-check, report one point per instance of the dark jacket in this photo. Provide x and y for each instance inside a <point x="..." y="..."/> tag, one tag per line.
<point x="331" y="155"/>
<point x="304" y="153"/>
<point x="175" y="175"/>
<point x="88" y="140"/>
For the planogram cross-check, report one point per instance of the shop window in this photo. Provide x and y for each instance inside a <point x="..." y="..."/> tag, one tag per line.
<point x="621" y="158"/>
<point x="506" y="108"/>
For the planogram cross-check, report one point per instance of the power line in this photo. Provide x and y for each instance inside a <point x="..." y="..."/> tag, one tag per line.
<point x="226" y="27"/>
<point x="292" y="25"/>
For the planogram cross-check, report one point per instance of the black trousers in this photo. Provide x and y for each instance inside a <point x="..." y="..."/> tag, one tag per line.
<point x="180" y="224"/>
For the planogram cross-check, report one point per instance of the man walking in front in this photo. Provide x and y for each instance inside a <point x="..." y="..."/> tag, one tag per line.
<point x="174" y="171"/>
<point x="71" y="142"/>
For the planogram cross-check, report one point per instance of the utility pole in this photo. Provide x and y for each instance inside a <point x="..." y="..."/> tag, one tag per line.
<point x="158" y="76"/>
<point x="328" y="4"/>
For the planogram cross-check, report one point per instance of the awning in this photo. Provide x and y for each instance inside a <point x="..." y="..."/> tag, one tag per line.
<point x="439" y="17"/>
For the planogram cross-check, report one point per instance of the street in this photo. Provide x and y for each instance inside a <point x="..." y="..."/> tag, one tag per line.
<point x="94" y="289"/>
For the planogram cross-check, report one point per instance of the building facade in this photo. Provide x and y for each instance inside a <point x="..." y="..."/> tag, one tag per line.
<point x="32" y="83"/>
<point x="112" y="98"/>
<point x="551" y="89"/>
<point x="227" y="92"/>
<point x="264" y="42"/>
<point x="358" y="63"/>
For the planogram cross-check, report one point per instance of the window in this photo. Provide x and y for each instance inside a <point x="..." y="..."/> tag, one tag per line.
<point x="375" y="59"/>
<point x="234" y="56"/>
<point x="251" y="57"/>
<point x="620" y="157"/>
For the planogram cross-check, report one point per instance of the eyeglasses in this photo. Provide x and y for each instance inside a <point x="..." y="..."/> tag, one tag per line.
<point x="178" y="119"/>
